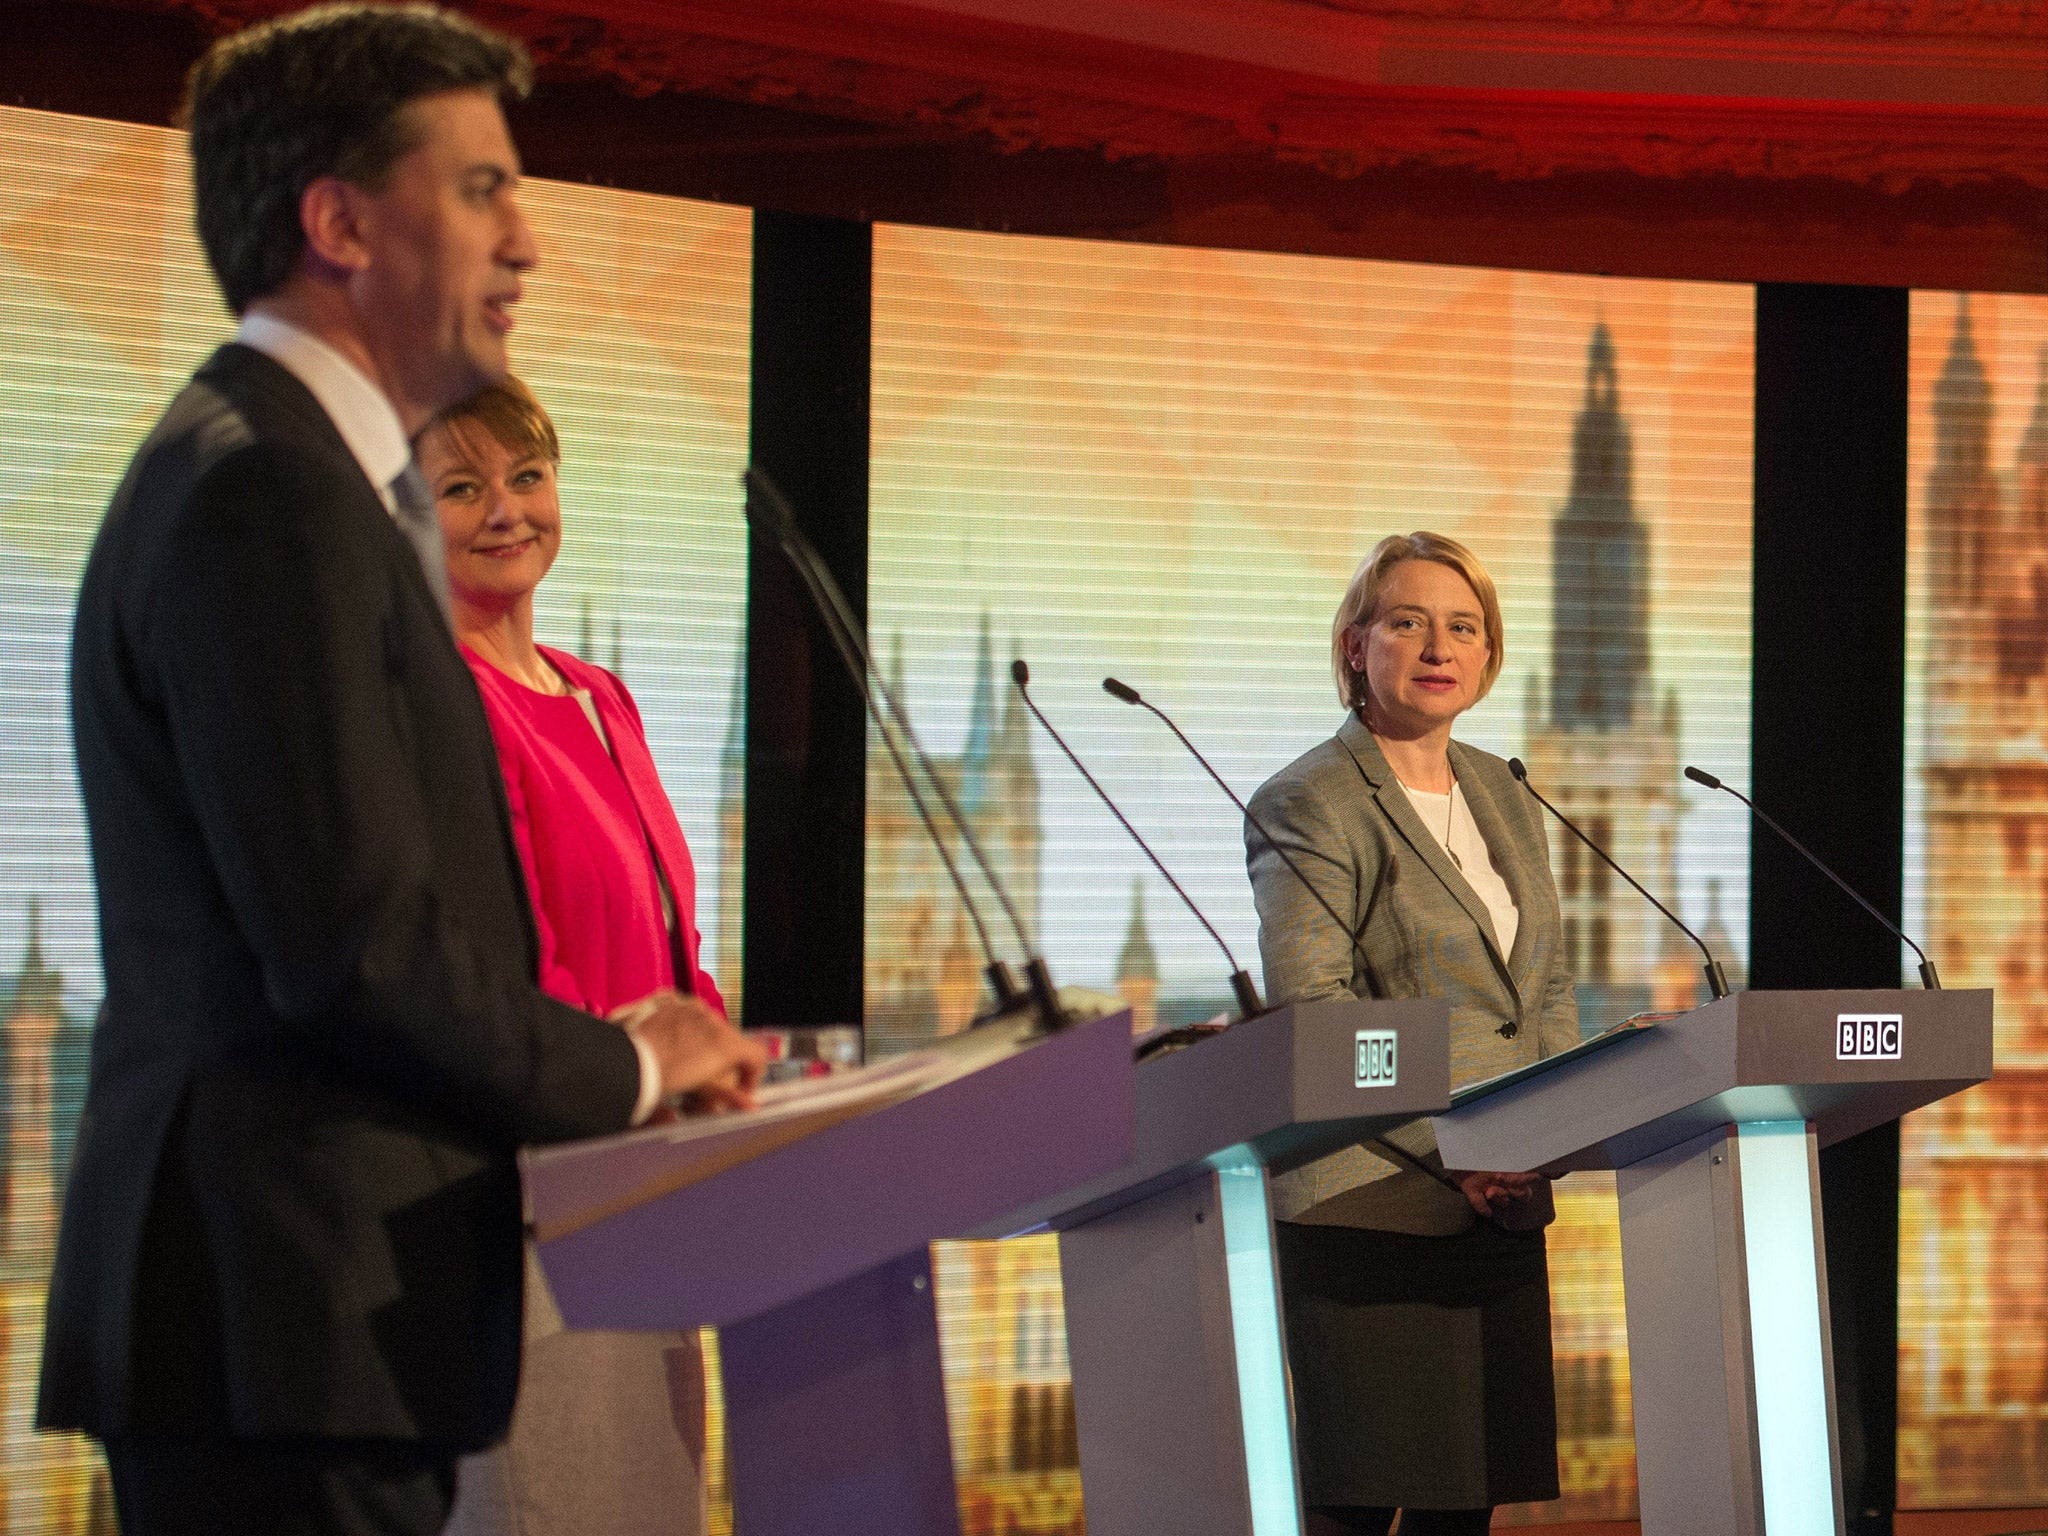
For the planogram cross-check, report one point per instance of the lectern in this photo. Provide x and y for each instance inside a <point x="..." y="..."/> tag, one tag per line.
<point x="1173" y="1313"/>
<point x="1711" y="1123"/>
<point x="805" y="1242"/>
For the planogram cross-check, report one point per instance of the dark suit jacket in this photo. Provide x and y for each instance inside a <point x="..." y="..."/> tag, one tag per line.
<point x="294" y="1206"/>
<point x="1341" y="815"/>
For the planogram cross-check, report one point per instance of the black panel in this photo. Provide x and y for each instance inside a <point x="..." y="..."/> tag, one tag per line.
<point x="1829" y="741"/>
<point x="806" y="738"/>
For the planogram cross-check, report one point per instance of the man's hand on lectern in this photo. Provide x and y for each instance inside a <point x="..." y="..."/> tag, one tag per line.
<point x="705" y="1063"/>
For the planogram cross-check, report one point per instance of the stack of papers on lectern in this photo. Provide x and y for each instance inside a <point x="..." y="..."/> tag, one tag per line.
<point x="576" y="1183"/>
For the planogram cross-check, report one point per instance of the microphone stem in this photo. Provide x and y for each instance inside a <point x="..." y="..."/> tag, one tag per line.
<point x="1240" y="983"/>
<point x="1717" y="981"/>
<point x="1258" y="826"/>
<point x="1372" y="979"/>
<point x="1928" y="978"/>
<point x="997" y="971"/>
<point x="846" y="633"/>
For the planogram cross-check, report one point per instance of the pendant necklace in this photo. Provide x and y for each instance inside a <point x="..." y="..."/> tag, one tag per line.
<point x="1450" y="813"/>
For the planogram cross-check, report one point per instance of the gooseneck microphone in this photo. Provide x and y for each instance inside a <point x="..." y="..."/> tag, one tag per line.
<point x="1387" y="876"/>
<point x="1717" y="983"/>
<point x="1248" y="1003"/>
<point x="1929" y="977"/>
<point x="1389" y="872"/>
<point x="769" y="511"/>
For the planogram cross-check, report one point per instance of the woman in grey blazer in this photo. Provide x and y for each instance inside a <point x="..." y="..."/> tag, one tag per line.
<point x="1417" y="1299"/>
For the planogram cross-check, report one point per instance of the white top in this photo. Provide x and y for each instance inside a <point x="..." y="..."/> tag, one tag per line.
<point x="360" y="411"/>
<point x="1474" y="858"/>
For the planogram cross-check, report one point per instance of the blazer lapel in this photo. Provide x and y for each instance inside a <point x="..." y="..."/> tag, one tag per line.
<point x="1510" y="857"/>
<point x="1399" y="810"/>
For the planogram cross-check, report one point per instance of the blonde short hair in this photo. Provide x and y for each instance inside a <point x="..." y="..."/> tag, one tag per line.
<point x="1361" y="603"/>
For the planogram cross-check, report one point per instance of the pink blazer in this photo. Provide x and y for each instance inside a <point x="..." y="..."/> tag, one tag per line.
<point x="588" y="830"/>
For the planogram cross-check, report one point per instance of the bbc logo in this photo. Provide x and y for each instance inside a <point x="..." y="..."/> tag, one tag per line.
<point x="1375" y="1059"/>
<point x="1867" y="1037"/>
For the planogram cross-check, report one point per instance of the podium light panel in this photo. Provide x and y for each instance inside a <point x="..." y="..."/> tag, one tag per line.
<point x="1261" y="1358"/>
<point x="1779" y="1185"/>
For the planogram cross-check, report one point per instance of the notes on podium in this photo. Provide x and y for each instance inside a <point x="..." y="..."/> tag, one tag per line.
<point x="574" y="1185"/>
<point x="713" y="1220"/>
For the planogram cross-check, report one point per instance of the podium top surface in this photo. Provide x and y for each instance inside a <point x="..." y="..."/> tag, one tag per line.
<point x="1291" y="1085"/>
<point x="1845" y="1060"/>
<point x="644" y="1232"/>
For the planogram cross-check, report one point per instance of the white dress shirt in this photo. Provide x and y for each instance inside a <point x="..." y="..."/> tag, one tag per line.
<point x="360" y="411"/>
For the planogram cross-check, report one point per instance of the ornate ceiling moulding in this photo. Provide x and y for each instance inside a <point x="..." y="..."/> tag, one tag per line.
<point x="1983" y="53"/>
<point x="965" y="71"/>
<point x="2016" y="19"/>
<point x="941" y="96"/>
<point x="1533" y="136"/>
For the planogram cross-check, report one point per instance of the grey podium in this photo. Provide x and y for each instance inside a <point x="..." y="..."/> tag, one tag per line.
<point x="806" y="1244"/>
<point x="1174" y="1328"/>
<point x="1711" y="1123"/>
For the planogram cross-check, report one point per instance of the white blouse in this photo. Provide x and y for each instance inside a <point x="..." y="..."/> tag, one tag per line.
<point x="1442" y="812"/>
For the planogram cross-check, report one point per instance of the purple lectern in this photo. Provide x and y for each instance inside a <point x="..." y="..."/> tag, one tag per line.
<point x="805" y="1242"/>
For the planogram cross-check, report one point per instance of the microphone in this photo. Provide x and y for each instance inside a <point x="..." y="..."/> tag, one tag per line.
<point x="769" y="512"/>
<point x="1717" y="983"/>
<point x="1248" y="1003"/>
<point x="1390" y="867"/>
<point x="1929" y="978"/>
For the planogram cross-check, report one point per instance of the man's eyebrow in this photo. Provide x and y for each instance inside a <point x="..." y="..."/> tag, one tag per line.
<point x="489" y="175"/>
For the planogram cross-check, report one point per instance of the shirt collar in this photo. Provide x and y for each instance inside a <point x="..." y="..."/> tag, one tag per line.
<point x="360" y="411"/>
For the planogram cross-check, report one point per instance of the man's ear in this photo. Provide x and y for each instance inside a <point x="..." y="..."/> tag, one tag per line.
<point x="330" y="215"/>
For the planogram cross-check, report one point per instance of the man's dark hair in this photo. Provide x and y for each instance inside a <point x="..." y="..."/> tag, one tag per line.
<point x="273" y="108"/>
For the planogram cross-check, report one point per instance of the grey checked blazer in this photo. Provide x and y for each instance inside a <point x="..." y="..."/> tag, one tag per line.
<point x="1340" y="813"/>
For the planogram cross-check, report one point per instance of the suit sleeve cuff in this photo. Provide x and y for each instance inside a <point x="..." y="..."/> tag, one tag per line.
<point x="650" y="1082"/>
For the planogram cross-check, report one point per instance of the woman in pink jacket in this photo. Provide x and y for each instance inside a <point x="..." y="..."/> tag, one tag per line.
<point x="608" y="1434"/>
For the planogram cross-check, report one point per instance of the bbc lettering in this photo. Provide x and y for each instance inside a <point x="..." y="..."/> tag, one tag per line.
<point x="1867" y="1037"/>
<point x="1375" y="1059"/>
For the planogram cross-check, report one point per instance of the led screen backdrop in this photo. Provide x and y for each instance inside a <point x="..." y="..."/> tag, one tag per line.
<point x="1164" y="464"/>
<point x="1973" y="1262"/>
<point x="635" y="334"/>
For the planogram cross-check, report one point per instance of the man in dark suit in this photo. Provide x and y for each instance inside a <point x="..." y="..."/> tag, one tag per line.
<point x="287" y="1288"/>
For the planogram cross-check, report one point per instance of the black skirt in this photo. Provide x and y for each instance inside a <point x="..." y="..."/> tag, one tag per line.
<point x="1421" y="1366"/>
